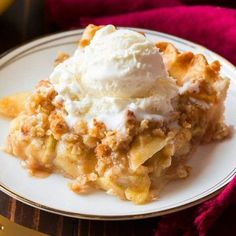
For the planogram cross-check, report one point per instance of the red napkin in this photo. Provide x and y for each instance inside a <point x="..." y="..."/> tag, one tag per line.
<point x="211" y="26"/>
<point x="213" y="217"/>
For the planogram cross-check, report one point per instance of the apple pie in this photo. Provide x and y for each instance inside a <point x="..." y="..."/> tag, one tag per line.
<point x="122" y="115"/>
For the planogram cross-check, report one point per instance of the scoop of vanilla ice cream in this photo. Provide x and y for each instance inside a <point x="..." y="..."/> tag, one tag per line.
<point x="119" y="70"/>
<point x="120" y="63"/>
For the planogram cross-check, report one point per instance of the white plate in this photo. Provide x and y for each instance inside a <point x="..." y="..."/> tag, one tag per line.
<point x="213" y="165"/>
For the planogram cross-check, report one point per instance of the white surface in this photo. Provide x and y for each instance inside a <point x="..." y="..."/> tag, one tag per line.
<point x="212" y="164"/>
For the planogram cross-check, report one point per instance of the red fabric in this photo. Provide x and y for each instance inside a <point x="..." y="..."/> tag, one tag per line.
<point x="204" y="219"/>
<point x="211" y="26"/>
<point x="67" y="13"/>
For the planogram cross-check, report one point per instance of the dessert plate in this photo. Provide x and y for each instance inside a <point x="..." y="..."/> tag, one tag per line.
<point x="213" y="165"/>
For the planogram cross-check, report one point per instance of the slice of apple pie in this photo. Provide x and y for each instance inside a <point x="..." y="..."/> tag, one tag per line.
<point x="121" y="115"/>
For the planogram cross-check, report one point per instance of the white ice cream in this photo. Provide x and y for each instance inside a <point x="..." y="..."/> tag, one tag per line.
<point x="121" y="63"/>
<point x="119" y="70"/>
